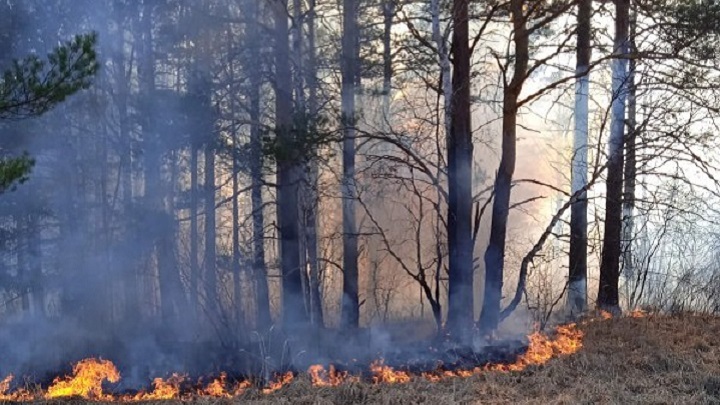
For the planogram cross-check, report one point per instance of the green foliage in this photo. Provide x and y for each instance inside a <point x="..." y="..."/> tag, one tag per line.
<point x="300" y="142"/>
<point x="33" y="86"/>
<point x="14" y="171"/>
<point x="694" y="28"/>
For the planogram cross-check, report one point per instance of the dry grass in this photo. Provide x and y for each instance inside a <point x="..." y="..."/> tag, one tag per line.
<point x="658" y="360"/>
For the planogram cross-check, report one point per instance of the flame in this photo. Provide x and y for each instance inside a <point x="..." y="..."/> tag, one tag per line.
<point x="162" y="389"/>
<point x="216" y="388"/>
<point x="279" y="382"/>
<point x="89" y="374"/>
<point x="5" y="388"/>
<point x="605" y="315"/>
<point x="542" y="348"/>
<point x="19" y="395"/>
<point x="386" y="374"/>
<point x="638" y="313"/>
<point x="86" y="381"/>
<point x="241" y="387"/>
<point x="440" y="375"/>
<point x="329" y="378"/>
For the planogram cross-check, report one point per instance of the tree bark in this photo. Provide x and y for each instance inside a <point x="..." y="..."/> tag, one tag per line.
<point x="211" y="290"/>
<point x="388" y="14"/>
<point x="311" y="235"/>
<point x="495" y="253"/>
<point x="262" y="294"/>
<point x="577" y="287"/>
<point x="194" y="266"/>
<point x="630" y="160"/>
<point x="294" y="314"/>
<point x="350" y="317"/>
<point x="236" y="255"/>
<point x="460" y="152"/>
<point x="608" y="294"/>
<point x="301" y="111"/>
<point x="160" y="222"/>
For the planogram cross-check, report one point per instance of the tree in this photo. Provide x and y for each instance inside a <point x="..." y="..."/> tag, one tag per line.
<point x="294" y="314"/>
<point x="495" y="252"/>
<point x="577" y="290"/>
<point x="608" y="292"/>
<point x="460" y="152"/>
<point x="350" y="59"/>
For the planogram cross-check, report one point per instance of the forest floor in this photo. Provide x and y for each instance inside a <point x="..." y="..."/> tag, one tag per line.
<point x="656" y="359"/>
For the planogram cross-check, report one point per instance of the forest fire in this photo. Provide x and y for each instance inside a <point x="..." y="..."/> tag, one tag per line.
<point x="89" y="375"/>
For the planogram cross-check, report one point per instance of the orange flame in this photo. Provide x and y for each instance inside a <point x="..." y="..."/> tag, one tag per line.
<point x="279" y="382"/>
<point x="216" y="388"/>
<point x="86" y="381"/>
<point x="162" y="389"/>
<point x="638" y="313"/>
<point x="241" y="387"/>
<point x="5" y="388"/>
<point x="542" y="348"/>
<point x="386" y="374"/>
<point x="328" y="378"/>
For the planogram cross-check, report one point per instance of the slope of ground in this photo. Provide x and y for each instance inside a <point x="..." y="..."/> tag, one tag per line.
<point x="658" y="360"/>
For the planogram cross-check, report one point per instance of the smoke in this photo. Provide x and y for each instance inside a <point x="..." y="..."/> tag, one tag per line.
<point x="95" y="258"/>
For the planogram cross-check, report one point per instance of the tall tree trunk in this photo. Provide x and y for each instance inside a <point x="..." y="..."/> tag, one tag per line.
<point x="159" y="220"/>
<point x="212" y="299"/>
<point x="350" y="298"/>
<point x="495" y="253"/>
<point x="236" y="255"/>
<point x="22" y="262"/>
<point x="262" y="299"/>
<point x="445" y="66"/>
<point x="121" y="64"/>
<point x="388" y="14"/>
<point x="301" y="111"/>
<point x="194" y="243"/>
<point x="608" y="294"/>
<point x="171" y="290"/>
<point x="630" y="158"/>
<point x="311" y="235"/>
<point x="35" y="262"/>
<point x="577" y="291"/>
<point x="460" y="152"/>
<point x="294" y="314"/>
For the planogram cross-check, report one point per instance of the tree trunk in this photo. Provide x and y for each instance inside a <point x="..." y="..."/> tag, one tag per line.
<point x="301" y="111"/>
<point x="262" y="298"/>
<point x="212" y="301"/>
<point x="630" y="160"/>
<point x="158" y="222"/>
<point x="294" y="315"/>
<point x="236" y="255"/>
<point x="194" y="265"/>
<point x="311" y="236"/>
<point x="388" y="14"/>
<point x="460" y="148"/>
<point x="350" y="297"/>
<point x="445" y="66"/>
<point x="608" y="294"/>
<point x="495" y="253"/>
<point x="577" y="291"/>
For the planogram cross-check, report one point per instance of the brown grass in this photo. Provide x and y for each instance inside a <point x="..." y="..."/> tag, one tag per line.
<point x="657" y="360"/>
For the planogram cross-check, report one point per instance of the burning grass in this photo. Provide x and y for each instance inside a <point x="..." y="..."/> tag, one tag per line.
<point x="637" y="359"/>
